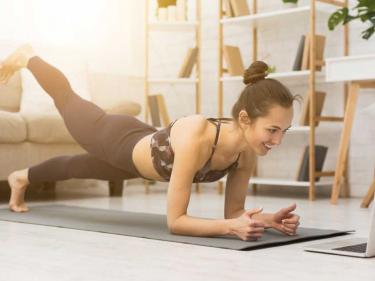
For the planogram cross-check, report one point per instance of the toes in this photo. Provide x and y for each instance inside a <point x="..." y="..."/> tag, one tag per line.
<point x="18" y="209"/>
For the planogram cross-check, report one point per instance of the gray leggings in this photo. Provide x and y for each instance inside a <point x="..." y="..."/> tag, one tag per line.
<point x="109" y="139"/>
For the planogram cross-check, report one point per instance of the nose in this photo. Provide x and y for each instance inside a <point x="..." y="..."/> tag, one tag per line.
<point x="277" y="139"/>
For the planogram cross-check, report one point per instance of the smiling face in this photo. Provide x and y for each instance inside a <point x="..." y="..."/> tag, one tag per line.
<point x="266" y="132"/>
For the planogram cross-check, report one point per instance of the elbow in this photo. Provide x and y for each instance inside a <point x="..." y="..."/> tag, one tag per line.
<point x="172" y="226"/>
<point x="171" y="229"/>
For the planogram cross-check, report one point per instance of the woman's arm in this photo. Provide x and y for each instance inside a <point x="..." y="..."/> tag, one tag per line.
<point x="235" y="195"/>
<point x="191" y="152"/>
<point x="236" y="189"/>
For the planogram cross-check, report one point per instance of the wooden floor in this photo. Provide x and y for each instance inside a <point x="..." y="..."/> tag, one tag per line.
<point x="31" y="252"/>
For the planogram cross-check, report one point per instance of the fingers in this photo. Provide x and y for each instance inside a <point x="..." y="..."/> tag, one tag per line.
<point x="254" y="230"/>
<point x="256" y="223"/>
<point x="252" y="212"/>
<point x="291" y="220"/>
<point x="290" y="228"/>
<point x="289" y="209"/>
<point x="254" y="233"/>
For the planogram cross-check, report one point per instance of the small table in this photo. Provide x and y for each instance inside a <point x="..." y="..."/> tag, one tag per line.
<point x="360" y="72"/>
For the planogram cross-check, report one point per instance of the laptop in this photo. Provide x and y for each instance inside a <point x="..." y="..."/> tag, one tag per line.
<point x="355" y="247"/>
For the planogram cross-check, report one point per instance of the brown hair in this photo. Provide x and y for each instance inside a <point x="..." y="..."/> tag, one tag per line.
<point x="261" y="93"/>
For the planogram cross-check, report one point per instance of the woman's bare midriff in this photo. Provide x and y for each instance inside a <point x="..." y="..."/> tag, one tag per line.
<point x="142" y="159"/>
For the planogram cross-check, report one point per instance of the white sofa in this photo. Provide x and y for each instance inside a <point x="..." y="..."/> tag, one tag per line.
<point x="31" y="130"/>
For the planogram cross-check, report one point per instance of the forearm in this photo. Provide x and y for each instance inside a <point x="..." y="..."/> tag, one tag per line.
<point x="266" y="218"/>
<point x="186" y="225"/>
<point x="234" y="214"/>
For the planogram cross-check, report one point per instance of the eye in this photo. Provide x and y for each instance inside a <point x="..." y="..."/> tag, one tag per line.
<point x="272" y="131"/>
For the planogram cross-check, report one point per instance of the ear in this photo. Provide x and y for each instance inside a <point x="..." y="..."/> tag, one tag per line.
<point x="243" y="118"/>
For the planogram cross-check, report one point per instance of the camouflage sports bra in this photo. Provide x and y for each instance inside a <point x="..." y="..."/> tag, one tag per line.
<point x="163" y="155"/>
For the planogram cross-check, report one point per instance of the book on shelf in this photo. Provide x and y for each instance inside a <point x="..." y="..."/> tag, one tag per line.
<point x="158" y="110"/>
<point x="320" y="46"/>
<point x="233" y="60"/>
<point x="154" y="111"/>
<point x="172" y="13"/>
<point x="188" y="63"/>
<point x="299" y="55"/>
<point x="306" y="53"/>
<point x="166" y="3"/>
<point x="162" y="14"/>
<point x="240" y="8"/>
<point x="228" y="10"/>
<point x="320" y="156"/>
<point x="319" y="51"/>
<point x="181" y="10"/>
<point x="319" y="102"/>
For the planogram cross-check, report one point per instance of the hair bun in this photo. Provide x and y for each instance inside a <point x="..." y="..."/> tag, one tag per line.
<point x="256" y="71"/>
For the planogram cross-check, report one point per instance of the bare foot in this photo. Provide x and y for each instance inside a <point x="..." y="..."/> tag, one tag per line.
<point x="18" y="183"/>
<point x="14" y="62"/>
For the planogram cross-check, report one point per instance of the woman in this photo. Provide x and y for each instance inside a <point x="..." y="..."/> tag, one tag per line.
<point x="191" y="149"/>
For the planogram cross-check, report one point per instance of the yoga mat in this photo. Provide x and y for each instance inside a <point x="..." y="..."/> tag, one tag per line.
<point x="150" y="226"/>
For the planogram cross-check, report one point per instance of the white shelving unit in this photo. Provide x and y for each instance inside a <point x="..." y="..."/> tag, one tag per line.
<point x="293" y="76"/>
<point x="173" y="26"/>
<point x="188" y="26"/>
<point x="311" y="11"/>
<point x="274" y="16"/>
<point x="174" y="81"/>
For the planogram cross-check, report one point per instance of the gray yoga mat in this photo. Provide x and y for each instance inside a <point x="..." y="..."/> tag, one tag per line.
<point x="150" y="226"/>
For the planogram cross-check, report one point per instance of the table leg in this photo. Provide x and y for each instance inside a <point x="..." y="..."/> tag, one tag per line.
<point x="344" y="141"/>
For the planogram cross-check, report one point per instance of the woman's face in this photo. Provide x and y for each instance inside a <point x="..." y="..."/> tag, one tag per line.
<point x="266" y="132"/>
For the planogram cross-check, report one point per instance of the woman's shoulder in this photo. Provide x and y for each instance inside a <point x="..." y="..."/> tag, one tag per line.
<point x="192" y="124"/>
<point x="192" y="129"/>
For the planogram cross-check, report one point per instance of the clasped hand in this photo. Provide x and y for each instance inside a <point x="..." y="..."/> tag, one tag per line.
<point x="248" y="228"/>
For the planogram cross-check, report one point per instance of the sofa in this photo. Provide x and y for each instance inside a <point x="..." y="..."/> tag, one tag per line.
<point x="31" y="130"/>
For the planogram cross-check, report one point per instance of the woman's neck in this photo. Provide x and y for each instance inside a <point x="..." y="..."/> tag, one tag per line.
<point x="231" y="139"/>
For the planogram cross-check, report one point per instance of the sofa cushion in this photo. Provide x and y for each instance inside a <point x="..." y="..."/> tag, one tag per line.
<point x="10" y="94"/>
<point x="74" y="67"/>
<point x="125" y="107"/>
<point x="12" y="127"/>
<point x="46" y="128"/>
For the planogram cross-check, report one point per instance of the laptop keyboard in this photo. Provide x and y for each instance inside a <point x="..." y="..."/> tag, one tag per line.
<point x="358" y="248"/>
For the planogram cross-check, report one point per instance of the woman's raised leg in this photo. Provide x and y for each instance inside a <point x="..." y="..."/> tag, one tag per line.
<point x="82" y="118"/>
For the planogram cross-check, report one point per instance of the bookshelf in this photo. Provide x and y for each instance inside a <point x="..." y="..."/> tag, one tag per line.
<point x="172" y="27"/>
<point x="187" y="26"/>
<point x="310" y="77"/>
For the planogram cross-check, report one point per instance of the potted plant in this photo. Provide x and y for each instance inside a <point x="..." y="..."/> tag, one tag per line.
<point x="290" y="3"/>
<point x="364" y="11"/>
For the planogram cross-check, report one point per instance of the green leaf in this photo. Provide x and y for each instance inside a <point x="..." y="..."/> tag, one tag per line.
<point x="337" y="17"/>
<point x="368" y="32"/>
